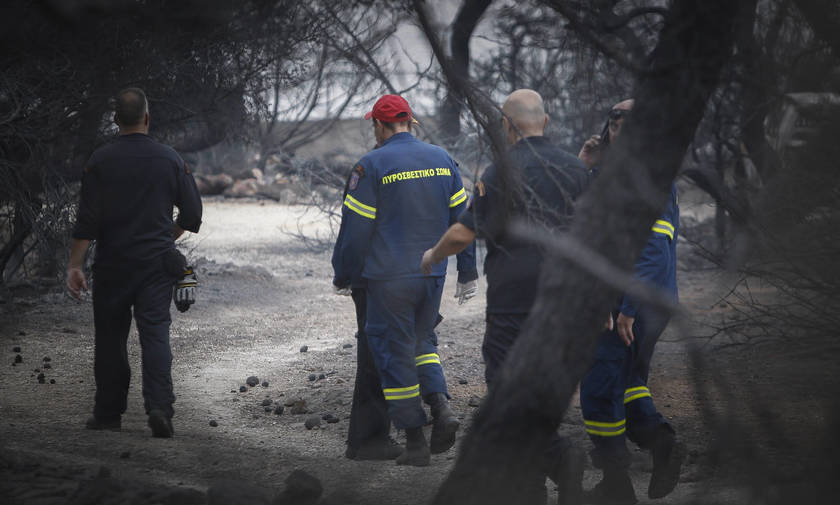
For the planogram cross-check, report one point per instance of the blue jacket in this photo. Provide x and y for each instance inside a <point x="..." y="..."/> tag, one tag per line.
<point x="657" y="264"/>
<point x="401" y="198"/>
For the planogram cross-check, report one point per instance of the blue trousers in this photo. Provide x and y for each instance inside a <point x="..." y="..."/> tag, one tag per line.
<point x="401" y="316"/>
<point x="614" y="396"/>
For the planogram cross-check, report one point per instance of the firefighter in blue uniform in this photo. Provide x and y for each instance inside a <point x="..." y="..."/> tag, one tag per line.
<point x="369" y="427"/>
<point x="614" y="396"/>
<point x="128" y="192"/>
<point x="548" y="181"/>
<point x="401" y="197"/>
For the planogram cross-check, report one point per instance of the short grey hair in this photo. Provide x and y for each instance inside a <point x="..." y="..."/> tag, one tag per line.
<point x="131" y="106"/>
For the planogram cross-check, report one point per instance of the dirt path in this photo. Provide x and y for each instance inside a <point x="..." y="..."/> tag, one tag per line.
<point x="264" y="296"/>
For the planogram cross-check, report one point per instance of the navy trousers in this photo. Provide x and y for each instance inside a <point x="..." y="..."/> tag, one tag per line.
<point x="401" y="316"/>
<point x="501" y="332"/>
<point x="147" y="288"/>
<point x="614" y="396"/>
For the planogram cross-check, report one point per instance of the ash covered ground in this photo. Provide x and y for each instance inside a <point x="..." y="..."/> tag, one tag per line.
<point x="265" y="295"/>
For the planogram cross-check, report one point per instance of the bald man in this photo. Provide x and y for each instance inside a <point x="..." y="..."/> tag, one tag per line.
<point x="546" y="180"/>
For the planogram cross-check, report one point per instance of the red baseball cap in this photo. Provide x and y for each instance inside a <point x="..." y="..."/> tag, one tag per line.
<point x="391" y="109"/>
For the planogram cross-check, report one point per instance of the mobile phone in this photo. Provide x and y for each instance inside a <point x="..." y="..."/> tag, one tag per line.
<point x="605" y="133"/>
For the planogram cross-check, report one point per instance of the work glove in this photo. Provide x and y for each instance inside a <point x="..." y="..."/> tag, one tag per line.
<point x="345" y="291"/>
<point x="465" y="290"/>
<point x="185" y="290"/>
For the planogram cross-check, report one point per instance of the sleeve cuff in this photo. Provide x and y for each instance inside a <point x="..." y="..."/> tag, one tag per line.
<point x="469" y="275"/>
<point x="628" y="308"/>
<point x="83" y="234"/>
<point x="467" y="219"/>
<point x="191" y="227"/>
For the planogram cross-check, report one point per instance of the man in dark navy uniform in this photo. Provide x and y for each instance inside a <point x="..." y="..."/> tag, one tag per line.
<point x="614" y="397"/>
<point x="543" y="184"/>
<point x="129" y="188"/>
<point x="368" y="433"/>
<point x="401" y="197"/>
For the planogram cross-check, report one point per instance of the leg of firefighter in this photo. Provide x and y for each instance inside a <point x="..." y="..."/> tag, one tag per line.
<point x="391" y="334"/>
<point x="429" y="371"/>
<point x="602" y="403"/>
<point x="645" y="425"/>
<point x="367" y="436"/>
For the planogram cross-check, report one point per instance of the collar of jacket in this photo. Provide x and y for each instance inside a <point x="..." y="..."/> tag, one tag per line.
<point x="537" y="140"/>
<point x="399" y="137"/>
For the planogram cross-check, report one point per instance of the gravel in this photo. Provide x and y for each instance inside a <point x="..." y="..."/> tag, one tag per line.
<point x="252" y="380"/>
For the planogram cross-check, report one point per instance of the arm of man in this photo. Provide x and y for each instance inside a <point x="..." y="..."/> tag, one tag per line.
<point x="358" y="222"/>
<point x="188" y="201"/>
<point x="85" y="230"/>
<point x="651" y="269"/>
<point x="76" y="281"/>
<point x="457" y="238"/>
<point x="467" y="284"/>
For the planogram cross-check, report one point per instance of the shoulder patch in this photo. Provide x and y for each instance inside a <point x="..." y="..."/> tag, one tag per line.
<point x="481" y="189"/>
<point x="187" y="167"/>
<point x="354" y="181"/>
<point x="360" y="170"/>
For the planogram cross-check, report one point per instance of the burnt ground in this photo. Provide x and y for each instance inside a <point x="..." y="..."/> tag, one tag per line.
<point x="263" y="296"/>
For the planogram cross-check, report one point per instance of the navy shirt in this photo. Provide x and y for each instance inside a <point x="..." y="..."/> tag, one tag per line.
<point x="129" y="188"/>
<point x="548" y="180"/>
<point x="400" y="200"/>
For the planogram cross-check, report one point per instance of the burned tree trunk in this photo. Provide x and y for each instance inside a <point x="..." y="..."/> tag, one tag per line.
<point x="465" y="23"/>
<point x="612" y="223"/>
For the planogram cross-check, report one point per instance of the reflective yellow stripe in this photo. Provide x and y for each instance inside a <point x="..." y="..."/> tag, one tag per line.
<point x="664" y="227"/>
<point x="401" y="390"/>
<point x="426" y="359"/>
<point x="360" y="208"/>
<point x="636" y="393"/>
<point x="605" y="429"/>
<point x="604" y="425"/>
<point x="401" y="393"/>
<point x="457" y="198"/>
<point x="664" y="231"/>
<point x="606" y="433"/>
<point x="664" y="224"/>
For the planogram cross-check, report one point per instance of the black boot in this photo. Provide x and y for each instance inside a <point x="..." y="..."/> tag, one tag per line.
<point x="616" y="488"/>
<point x="97" y="423"/>
<point x="568" y="475"/>
<point x="416" y="449"/>
<point x="444" y="424"/>
<point x="161" y="424"/>
<point x="668" y="455"/>
<point x="377" y="449"/>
